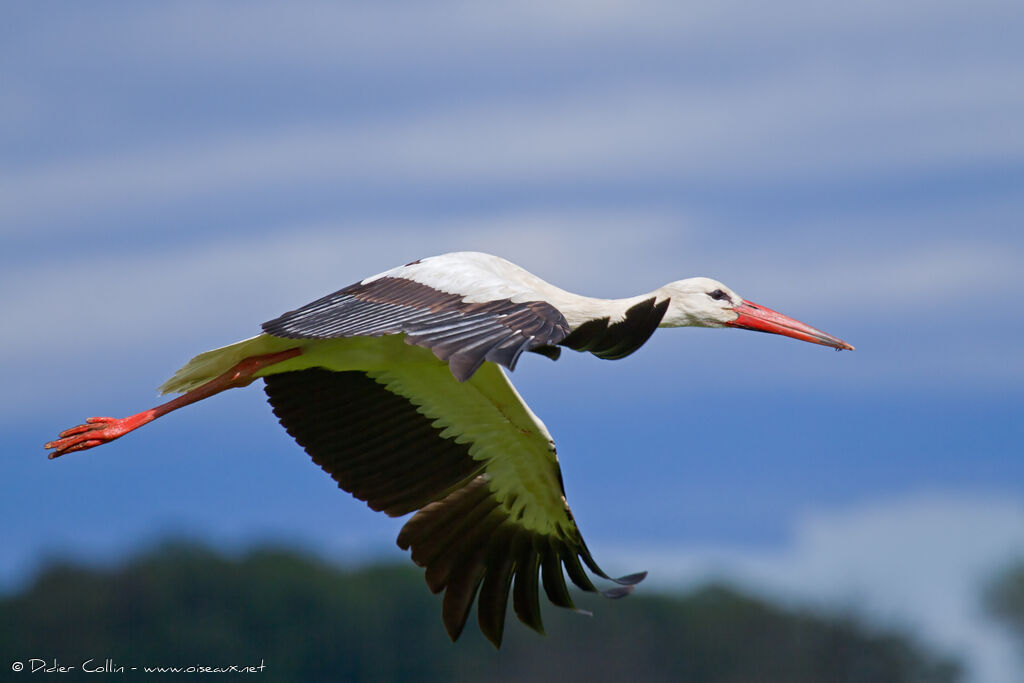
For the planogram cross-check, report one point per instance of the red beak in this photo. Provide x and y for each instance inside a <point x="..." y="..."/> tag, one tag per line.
<point x="761" y="319"/>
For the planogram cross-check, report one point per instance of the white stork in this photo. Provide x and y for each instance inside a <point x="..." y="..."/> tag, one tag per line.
<point x="393" y="387"/>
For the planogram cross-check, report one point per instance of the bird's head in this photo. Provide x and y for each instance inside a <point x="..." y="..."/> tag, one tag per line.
<point x="703" y="302"/>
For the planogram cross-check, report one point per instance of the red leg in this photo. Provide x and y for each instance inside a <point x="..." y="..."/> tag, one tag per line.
<point x="100" y="430"/>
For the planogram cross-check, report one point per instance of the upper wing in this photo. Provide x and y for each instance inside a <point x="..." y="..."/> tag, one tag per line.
<point x="464" y="334"/>
<point x="471" y="457"/>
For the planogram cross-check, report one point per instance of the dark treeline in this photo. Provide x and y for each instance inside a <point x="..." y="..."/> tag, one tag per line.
<point x="185" y="605"/>
<point x="1005" y="600"/>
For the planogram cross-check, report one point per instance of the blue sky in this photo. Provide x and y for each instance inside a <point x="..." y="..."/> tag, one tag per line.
<point x="173" y="175"/>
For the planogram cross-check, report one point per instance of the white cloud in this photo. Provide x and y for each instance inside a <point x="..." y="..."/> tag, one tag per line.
<point x="395" y="33"/>
<point x="891" y="283"/>
<point x="918" y="562"/>
<point x="779" y="128"/>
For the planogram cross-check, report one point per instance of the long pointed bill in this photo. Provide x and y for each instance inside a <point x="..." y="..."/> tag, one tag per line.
<point x="761" y="319"/>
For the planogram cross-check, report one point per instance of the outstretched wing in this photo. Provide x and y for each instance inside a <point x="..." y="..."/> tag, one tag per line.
<point x="464" y="334"/>
<point x="475" y="462"/>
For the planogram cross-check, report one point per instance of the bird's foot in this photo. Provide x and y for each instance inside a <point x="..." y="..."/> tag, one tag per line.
<point x="99" y="430"/>
<point x="95" y="431"/>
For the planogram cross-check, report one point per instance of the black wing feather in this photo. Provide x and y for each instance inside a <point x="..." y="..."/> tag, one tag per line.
<point x="465" y="334"/>
<point x="377" y="446"/>
<point x="612" y="341"/>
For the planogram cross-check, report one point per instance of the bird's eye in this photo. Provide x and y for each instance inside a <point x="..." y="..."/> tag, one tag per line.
<point x="719" y="295"/>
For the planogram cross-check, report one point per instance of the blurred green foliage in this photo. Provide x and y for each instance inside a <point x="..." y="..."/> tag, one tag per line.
<point x="307" y="620"/>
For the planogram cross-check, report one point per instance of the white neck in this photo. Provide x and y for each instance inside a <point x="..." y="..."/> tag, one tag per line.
<point x="579" y="309"/>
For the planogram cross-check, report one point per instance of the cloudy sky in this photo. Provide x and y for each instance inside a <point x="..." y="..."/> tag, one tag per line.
<point x="172" y="175"/>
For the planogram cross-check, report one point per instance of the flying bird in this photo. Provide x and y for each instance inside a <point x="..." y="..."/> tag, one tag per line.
<point x="395" y="387"/>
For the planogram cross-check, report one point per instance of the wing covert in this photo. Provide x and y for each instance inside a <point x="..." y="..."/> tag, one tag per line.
<point x="464" y="334"/>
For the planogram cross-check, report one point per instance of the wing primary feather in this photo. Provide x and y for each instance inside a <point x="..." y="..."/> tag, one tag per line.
<point x="628" y="580"/>
<point x="554" y="582"/>
<point x="492" y="602"/>
<point x="459" y="594"/>
<point x="441" y="518"/>
<point x="436" y="546"/>
<point x="463" y="549"/>
<point x="575" y="570"/>
<point x="617" y="592"/>
<point x="526" y="593"/>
